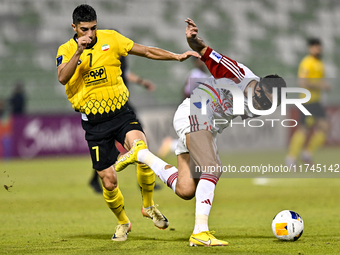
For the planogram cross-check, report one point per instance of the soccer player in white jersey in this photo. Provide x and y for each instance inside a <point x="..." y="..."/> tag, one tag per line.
<point x="197" y="132"/>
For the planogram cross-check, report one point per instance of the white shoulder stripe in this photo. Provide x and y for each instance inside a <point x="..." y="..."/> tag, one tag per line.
<point x="237" y="69"/>
<point x="231" y="66"/>
<point x="232" y="69"/>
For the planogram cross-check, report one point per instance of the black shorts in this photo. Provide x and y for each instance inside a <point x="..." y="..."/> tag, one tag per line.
<point x="317" y="112"/>
<point x="101" y="137"/>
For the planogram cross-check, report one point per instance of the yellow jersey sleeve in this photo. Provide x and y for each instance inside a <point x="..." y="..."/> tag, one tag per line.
<point x="125" y="44"/>
<point x="304" y="68"/>
<point x="311" y="67"/>
<point x="62" y="55"/>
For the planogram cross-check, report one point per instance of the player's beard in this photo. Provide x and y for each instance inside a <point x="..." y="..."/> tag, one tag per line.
<point x="256" y="104"/>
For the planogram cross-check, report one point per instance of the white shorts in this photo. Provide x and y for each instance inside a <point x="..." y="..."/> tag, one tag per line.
<point x="184" y="123"/>
<point x="182" y="126"/>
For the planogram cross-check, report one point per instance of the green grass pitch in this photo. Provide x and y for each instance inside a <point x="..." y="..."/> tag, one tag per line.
<point x="50" y="209"/>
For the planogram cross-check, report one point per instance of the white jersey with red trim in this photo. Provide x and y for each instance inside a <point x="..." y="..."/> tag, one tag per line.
<point x="219" y="101"/>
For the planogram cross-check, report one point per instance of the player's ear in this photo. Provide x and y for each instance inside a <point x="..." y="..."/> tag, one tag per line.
<point x="74" y="27"/>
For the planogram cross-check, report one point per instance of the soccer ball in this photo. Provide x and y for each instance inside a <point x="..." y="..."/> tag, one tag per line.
<point x="287" y="225"/>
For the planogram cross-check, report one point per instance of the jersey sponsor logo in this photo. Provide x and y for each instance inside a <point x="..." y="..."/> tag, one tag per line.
<point x="95" y="76"/>
<point x="215" y="56"/>
<point x="105" y="47"/>
<point x="59" y="60"/>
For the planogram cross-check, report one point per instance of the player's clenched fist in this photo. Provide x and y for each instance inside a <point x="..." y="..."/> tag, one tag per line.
<point x="83" y="41"/>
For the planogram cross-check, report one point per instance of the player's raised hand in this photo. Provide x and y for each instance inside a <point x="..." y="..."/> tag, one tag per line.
<point x="188" y="54"/>
<point x="194" y="41"/>
<point x="191" y="30"/>
<point x="83" y="41"/>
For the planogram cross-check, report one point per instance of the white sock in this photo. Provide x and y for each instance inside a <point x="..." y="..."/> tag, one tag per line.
<point x="204" y="199"/>
<point x="201" y="223"/>
<point x="168" y="176"/>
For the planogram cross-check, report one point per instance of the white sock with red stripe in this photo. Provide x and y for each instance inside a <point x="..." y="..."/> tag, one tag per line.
<point x="204" y="198"/>
<point x="168" y="176"/>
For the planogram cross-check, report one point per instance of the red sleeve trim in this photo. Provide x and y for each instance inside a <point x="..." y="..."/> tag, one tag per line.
<point x="221" y="66"/>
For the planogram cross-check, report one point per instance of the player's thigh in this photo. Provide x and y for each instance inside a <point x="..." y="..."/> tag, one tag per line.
<point x="109" y="178"/>
<point x="103" y="153"/>
<point x="203" y="150"/>
<point x="131" y="136"/>
<point x="131" y="129"/>
<point x="186" y="184"/>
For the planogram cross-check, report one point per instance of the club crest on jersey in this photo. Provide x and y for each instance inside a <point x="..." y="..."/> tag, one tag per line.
<point x="105" y="47"/>
<point x="215" y="56"/>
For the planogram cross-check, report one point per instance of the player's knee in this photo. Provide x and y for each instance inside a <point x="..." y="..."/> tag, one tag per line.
<point x="186" y="194"/>
<point x="188" y="197"/>
<point x="109" y="184"/>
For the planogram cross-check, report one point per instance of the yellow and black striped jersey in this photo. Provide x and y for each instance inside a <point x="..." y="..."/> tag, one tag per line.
<point x="96" y="87"/>
<point x="313" y="69"/>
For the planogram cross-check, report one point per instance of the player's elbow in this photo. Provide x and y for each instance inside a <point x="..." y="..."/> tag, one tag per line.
<point x="62" y="80"/>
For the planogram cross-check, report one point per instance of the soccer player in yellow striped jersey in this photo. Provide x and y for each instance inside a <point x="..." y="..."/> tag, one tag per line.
<point x="311" y="75"/>
<point x="96" y="85"/>
<point x="89" y="67"/>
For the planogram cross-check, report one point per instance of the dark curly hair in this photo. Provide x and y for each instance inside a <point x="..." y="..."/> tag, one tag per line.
<point x="83" y="13"/>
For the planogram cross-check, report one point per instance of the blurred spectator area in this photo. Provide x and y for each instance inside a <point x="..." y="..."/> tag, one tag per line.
<point x="268" y="36"/>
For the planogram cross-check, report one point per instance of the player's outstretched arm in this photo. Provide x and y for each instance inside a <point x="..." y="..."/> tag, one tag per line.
<point x="160" y="54"/>
<point x="195" y="42"/>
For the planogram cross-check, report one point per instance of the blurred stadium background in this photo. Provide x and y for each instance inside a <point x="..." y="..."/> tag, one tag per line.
<point x="46" y="204"/>
<point x="268" y="36"/>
